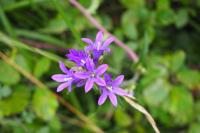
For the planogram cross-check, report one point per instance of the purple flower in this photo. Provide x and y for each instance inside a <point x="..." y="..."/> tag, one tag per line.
<point x="65" y="79"/>
<point x="92" y="75"/>
<point x="77" y="56"/>
<point x="111" y="89"/>
<point x="99" y="46"/>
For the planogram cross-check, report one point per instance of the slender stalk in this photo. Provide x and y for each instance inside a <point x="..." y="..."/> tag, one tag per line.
<point x="144" y="111"/>
<point x="38" y="83"/>
<point x="93" y="21"/>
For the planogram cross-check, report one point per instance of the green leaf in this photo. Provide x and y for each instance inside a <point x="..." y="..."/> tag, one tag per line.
<point x="132" y="4"/>
<point x="5" y="91"/>
<point x="94" y="6"/>
<point x="163" y="4"/>
<point x="129" y="17"/>
<point x="197" y="110"/>
<point x="130" y="31"/>
<point x="121" y="118"/>
<point x="190" y="78"/>
<point x="41" y="67"/>
<point x="56" y="25"/>
<point x="194" y="128"/>
<point x="23" y="62"/>
<point x="176" y="60"/>
<point x="44" y="104"/>
<point x="8" y="75"/>
<point x="181" y="18"/>
<point x="117" y="57"/>
<point x="180" y="105"/>
<point x="16" y="102"/>
<point x="165" y="17"/>
<point x="156" y="92"/>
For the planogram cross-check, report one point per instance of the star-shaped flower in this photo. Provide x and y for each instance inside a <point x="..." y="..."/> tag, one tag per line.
<point x="77" y="56"/>
<point x="92" y="74"/>
<point x="99" y="46"/>
<point x="65" y="79"/>
<point x="111" y="89"/>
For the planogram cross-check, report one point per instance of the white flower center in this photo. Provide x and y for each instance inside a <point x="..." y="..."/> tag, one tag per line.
<point x="67" y="79"/>
<point x="83" y="61"/>
<point x="92" y="75"/>
<point x="109" y="88"/>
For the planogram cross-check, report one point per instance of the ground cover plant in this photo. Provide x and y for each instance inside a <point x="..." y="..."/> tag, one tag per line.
<point x="153" y="43"/>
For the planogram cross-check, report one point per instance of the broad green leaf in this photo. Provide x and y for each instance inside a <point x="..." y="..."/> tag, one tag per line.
<point x="165" y="17"/>
<point x="55" y="124"/>
<point x="129" y="17"/>
<point x="163" y="116"/>
<point x="16" y="102"/>
<point x="8" y="75"/>
<point x="94" y="6"/>
<point x="180" y="105"/>
<point x="156" y="92"/>
<point x="194" y="128"/>
<point x="190" y="78"/>
<point x="5" y="91"/>
<point x="155" y="70"/>
<point x="42" y="66"/>
<point x="181" y="18"/>
<point x="163" y="4"/>
<point x="44" y="104"/>
<point x="150" y="32"/>
<point x="23" y="62"/>
<point x="176" y="60"/>
<point x="117" y="57"/>
<point x="122" y="119"/>
<point x="130" y="31"/>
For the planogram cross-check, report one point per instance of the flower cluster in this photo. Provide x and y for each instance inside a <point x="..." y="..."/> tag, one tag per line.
<point x="89" y="71"/>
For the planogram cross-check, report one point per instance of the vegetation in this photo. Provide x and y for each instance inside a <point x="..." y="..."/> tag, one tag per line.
<point x="36" y="34"/>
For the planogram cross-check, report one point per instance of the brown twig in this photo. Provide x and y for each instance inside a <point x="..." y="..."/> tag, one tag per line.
<point x="93" y="21"/>
<point x="43" y="86"/>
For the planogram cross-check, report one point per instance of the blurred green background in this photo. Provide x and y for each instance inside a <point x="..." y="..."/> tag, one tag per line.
<point x="35" y="35"/>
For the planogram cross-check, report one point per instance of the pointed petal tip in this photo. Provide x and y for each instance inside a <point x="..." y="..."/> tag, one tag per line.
<point x="89" y="85"/>
<point x="101" y="69"/>
<point x="87" y="40"/>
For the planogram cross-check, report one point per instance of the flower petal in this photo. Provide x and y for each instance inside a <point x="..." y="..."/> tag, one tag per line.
<point x="108" y="42"/>
<point x="113" y="99"/>
<point x="63" y="86"/>
<point x="99" y="37"/>
<point x="89" y="84"/>
<point x="80" y="83"/>
<point x="102" y="98"/>
<point x="70" y="87"/>
<point x="100" y="81"/>
<point x="108" y="77"/>
<point x="81" y="75"/>
<point x="89" y="48"/>
<point x="118" y="80"/>
<point x="90" y="64"/>
<point x="87" y="40"/>
<point x="62" y="67"/>
<point x="101" y="69"/>
<point x="107" y="50"/>
<point x="97" y="54"/>
<point x="120" y="91"/>
<point x="61" y="77"/>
